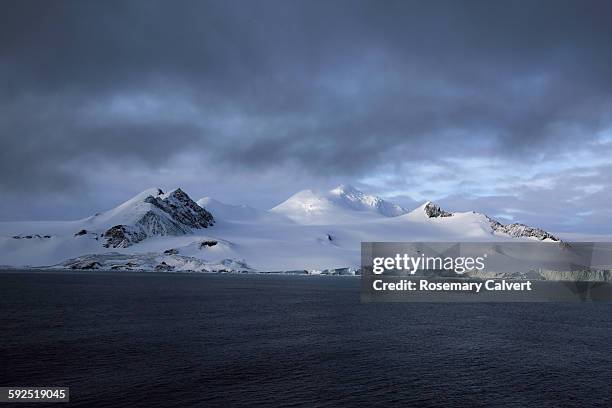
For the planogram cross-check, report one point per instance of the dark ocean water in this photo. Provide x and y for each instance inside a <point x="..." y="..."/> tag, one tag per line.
<point x="180" y="340"/>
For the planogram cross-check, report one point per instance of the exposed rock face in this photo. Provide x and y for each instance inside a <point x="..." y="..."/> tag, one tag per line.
<point x="522" y="230"/>
<point x="122" y="236"/>
<point x="434" y="211"/>
<point x="86" y="265"/>
<point x="183" y="209"/>
<point x="174" y="214"/>
<point x="30" y="236"/>
<point x="209" y="243"/>
<point x="164" y="267"/>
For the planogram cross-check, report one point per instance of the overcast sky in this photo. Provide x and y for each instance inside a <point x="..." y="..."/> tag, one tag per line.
<point x="499" y="107"/>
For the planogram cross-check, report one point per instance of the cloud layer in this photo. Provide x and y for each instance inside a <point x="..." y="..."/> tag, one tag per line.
<point x="478" y="103"/>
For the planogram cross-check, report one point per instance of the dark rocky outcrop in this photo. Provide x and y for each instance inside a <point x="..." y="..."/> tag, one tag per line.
<point x="183" y="209"/>
<point x="434" y="211"/>
<point x="86" y="265"/>
<point x="210" y="243"/>
<point x="522" y="230"/>
<point x="122" y="236"/>
<point x="164" y="267"/>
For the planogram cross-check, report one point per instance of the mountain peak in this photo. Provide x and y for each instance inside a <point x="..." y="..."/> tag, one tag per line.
<point x="347" y="195"/>
<point x="177" y="193"/>
<point x="345" y="189"/>
<point x="151" y="213"/>
<point x="342" y="202"/>
<point x="183" y="209"/>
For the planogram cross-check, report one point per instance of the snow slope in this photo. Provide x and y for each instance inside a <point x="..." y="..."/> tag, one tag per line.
<point x="229" y="211"/>
<point x="308" y="231"/>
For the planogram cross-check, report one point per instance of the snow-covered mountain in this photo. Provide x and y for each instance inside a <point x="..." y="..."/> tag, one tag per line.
<point x="308" y="231"/>
<point x="342" y="204"/>
<point x="150" y="213"/>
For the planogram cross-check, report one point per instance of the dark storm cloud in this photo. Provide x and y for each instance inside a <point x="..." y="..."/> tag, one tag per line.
<point x="335" y="88"/>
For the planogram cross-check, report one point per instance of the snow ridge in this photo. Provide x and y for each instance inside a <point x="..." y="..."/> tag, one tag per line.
<point x="348" y="195"/>
<point x="521" y="230"/>
<point x="516" y="230"/>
